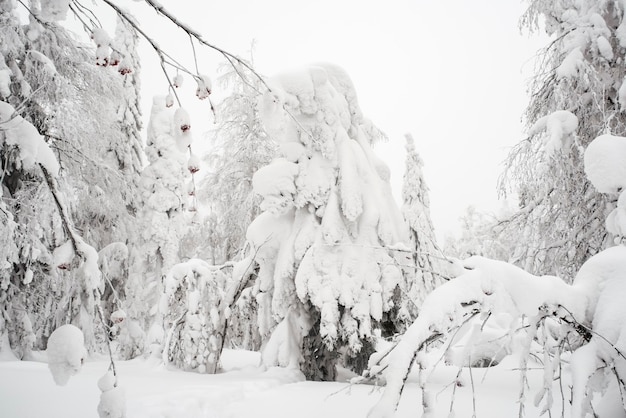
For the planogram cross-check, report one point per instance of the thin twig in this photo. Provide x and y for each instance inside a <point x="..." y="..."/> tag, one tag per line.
<point x="164" y="12"/>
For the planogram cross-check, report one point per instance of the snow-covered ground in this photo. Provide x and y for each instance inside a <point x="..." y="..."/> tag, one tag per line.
<point x="27" y="390"/>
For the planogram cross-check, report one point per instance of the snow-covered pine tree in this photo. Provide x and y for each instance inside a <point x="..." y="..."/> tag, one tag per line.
<point x="422" y="272"/>
<point x="578" y="93"/>
<point x="321" y="245"/>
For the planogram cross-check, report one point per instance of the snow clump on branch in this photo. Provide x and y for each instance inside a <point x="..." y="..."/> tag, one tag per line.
<point x="66" y="353"/>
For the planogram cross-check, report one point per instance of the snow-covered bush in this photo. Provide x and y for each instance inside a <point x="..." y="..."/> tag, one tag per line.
<point x="321" y="242"/>
<point x="66" y="353"/>
<point x="193" y="313"/>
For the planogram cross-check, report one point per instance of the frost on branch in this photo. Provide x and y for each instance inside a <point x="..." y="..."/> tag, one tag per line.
<point x="329" y="215"/>
<point x="66" y="353"/>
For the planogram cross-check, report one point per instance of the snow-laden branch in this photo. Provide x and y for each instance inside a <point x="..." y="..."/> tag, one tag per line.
<point x="500" y="288"/>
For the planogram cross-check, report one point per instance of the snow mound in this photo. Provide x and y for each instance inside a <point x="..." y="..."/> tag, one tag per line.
<point x="66" y="353"/>
<point x="605" y="163"/>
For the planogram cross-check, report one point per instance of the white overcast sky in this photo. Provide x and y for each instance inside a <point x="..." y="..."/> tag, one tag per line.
<point x="453" y="73"/>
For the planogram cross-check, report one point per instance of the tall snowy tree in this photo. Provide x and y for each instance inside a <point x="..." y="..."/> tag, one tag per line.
<point x="240" y="147"/>
<point x="325" y="269"/>
<point x="50" y="82"/>
<point x="579" y="93"/>
<point x="423" y="272"/>
<point x="164" y="216"/>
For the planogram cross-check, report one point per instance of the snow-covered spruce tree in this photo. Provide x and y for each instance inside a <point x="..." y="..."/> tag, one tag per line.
<point x="422" y="272"/>
<point x="49" y="80"/>
<point x="578" y="93"/>
<point x="164" y="215"/>
<point x="325" y="272"/>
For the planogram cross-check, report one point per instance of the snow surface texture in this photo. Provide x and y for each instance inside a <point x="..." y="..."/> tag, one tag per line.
<point x="328" y="210"/>
<point x="66" y="353"/>
<point x="245" y="390"/>
<point x="499" y="288"/>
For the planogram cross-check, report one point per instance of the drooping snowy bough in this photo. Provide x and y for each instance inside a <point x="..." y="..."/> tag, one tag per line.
<point x="489" y="288"/>
<point x="590" y="311"/>
<point x="324" y="268"/>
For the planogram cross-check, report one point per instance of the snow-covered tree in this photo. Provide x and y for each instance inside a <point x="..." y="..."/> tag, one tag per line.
<point x="193" y="313"/>
<point x="578" y="93"/>
<point x="481" y="235"/>
<point x="240" y="147"/>
<point x="164" y="216"/>
<point x="51" y="87"/>
<point x="422" y="272"/>
<point x="578" y="319"/>
<point x="326" y="271"/>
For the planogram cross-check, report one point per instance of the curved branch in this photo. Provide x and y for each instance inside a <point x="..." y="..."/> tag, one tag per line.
<point x="192" y="33"/>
